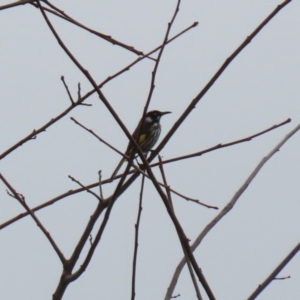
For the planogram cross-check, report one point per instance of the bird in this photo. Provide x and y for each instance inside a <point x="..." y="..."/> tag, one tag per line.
<point x="146" y="135"/>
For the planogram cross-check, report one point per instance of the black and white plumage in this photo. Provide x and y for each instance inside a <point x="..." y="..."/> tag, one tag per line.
<point x="146" y="135"/>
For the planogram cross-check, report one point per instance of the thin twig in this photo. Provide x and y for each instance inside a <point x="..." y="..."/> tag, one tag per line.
<point x="195" y="101"/>
<point x="91" y="239"/>
<point x="163" y="175"/>
<point x="20" y="2"/>
<point x="66" y="87"/>
<point x="67" y="276"/>
<point x="95" y="135"/>
<point x="86" y="235"/>
<point x="21" y="200"/>
<point x="97" y="238"/>
<point x="61" y="14"/>
<point x="100" y="184"/>
<point x="169" y="189"/>
<point x="79" y="96"/>
<point x="136" y="240"/>
<point x="273" y="275"/>
<point x="79" y="91"/>
<point x="282" y="278"/>
<point x="85" y="188"/>
<point x="137" y="168"/>
<point x="181" y="234"/>
<point x="65" y="281"/>
<point x="127" y="68"/>
<point x="226" y="209"/>
<point x="80" y="101"/>
<point x="219" y="146"/>
<point x="101" y="96"/>
<point x="108" y="145"/>
<point x="154" y="72"/>
<point x="185" y="254"/>
<point x="72" y="192"/>
<point x="193" y="200"/>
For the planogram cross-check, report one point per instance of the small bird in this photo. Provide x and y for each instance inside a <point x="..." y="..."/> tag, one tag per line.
<point x="148" y="133"/>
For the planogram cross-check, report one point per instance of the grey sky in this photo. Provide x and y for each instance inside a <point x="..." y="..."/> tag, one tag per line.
<point x="259" y="89"/>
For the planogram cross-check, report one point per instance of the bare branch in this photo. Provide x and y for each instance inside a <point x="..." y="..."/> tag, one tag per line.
<point x="219" y="146"/>
<point x="282" y="278"/>
<point x="72" y="192"/>
<point x="84" y="187"/>
<point x="21" y="200"/>
<point x="191" y="199"/>
<point x="273" y="275"/>
<point x="95" y="135"/>
<point x="66" y="87"/>
<point x="163" y="175"/>
<point x="194" y="102"/>
<point x="93" y="83"/>
<point x="80" y="101"/>
<point x="152" y="84"/>
<point x="106" y="204"/>
<point x="20" y="2"/>
<point x="136" y="240"/>
<point x="108" y="38"/>
<point x="185" y="254"/>
<point x="100" y="184"/>
<point x="127" y="68"/>
<point x="226" y="209"/>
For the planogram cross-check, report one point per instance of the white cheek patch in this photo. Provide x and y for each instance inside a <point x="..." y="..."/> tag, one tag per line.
<point x="148" y="119"/>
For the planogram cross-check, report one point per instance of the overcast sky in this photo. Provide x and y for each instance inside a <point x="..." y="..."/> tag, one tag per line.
<point x="259" y="89"/>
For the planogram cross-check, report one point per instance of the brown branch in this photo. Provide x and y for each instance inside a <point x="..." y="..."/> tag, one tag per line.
<point x="109" y="204"/>
<point x="64" y="280"/>
<point x="63" y="15"/>
<point x="282" y="278"/>
<point x="100" y="185"/>
<point x="84" y="187"/>
<point x="21" y="200"/>
<point x="273" y="275"/>
<point x="72" y="192"/>
<point x="154" y="72"/>
<point x="67" y="89"/>
<point x="67" y="276"/>
<point x="137" y="168"/>
<point x="185" y="254"/>
<point x="127" y="68"/>
<point x="191" y="199"/>
<point x="195" y="101"/>
<point x="219" y="146"/>
<point x="93" y="83"/>
<point x="136" y="240"/>
<point x="227" y="209"/>
<point x="182" y="237"/>
<point x="21" y="2"/>
<point x="86" y="236"/>
<point x="44" y="127"/>
<point x="163" y="175"/>
<point x="95" y="135"/>
<point x="81" y="100"/>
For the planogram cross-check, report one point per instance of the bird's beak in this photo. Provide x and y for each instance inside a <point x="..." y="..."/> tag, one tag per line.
<point x="165" y="112"/>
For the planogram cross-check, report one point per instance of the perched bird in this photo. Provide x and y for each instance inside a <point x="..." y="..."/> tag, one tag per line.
<point x="146" y="135"/>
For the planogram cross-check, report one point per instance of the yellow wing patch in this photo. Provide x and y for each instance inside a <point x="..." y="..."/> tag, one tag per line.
<point x="142" y="138"/>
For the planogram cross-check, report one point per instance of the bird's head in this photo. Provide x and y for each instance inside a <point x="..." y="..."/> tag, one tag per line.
<point x="155" y="115"/>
